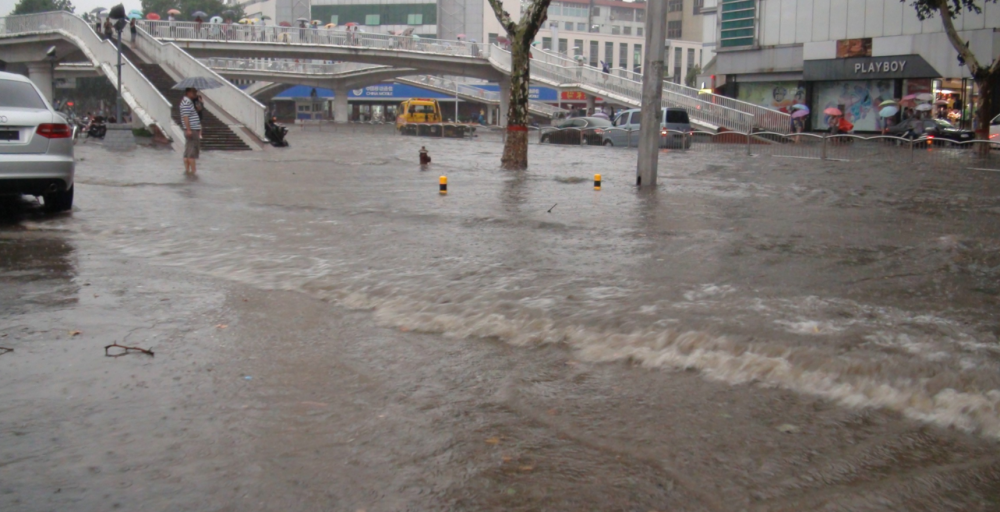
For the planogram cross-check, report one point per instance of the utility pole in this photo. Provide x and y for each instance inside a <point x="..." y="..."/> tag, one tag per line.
<point x="652" y="93"/>
<point x="118" y="13"/>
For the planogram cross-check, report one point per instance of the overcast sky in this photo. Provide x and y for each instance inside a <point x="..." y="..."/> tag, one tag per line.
<point x="82" y="6"/>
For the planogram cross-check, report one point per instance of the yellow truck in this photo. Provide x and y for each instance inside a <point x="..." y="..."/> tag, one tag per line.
<point x="418" y="110"/>
<point x="422" y="116"/>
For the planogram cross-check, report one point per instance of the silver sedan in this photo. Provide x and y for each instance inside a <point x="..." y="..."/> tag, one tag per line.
<point x="36" y="145"/>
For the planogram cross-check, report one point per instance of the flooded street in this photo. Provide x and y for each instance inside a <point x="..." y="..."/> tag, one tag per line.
<point x="331" y="333"/>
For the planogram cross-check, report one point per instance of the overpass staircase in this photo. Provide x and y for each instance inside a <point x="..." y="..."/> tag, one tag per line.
<point x="215" y="135"/>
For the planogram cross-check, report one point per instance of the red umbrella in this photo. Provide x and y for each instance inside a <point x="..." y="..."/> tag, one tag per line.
<point x="910" y="97"/>
<point x="284" y="24"/>
<point x="832" y="111"/>
<point x="152" y="16"/>
<point x="351" y="24"/>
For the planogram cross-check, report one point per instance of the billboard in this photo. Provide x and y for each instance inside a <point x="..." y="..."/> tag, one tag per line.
<point x="774" y="95"/>
<point x="859" y="100"/>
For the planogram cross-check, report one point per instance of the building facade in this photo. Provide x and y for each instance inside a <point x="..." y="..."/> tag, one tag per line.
<point x="852" y="54"/>
<point x="278" y="10"/>
<point x="612" y="32"/>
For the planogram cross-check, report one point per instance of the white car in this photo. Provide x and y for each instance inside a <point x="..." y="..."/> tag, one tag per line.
<point x="36" y="145"/>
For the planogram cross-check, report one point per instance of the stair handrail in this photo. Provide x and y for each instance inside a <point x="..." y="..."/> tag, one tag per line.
<point x="241" y="106"/>
<point x="142" y="97"/>
<point x="625" y="91"/>
<point x="765" y="118"/>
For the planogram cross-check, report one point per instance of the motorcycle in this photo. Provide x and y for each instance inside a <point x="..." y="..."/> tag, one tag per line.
<point x="97" y="129"/>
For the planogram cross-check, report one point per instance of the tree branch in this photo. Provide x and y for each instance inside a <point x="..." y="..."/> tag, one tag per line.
<point x="956" y="40"/>
<point x="537" y="13"/>
<point x="503" y="17"/>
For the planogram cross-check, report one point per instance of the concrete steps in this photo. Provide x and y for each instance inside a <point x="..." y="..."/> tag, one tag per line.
<point x="215" y="135"/>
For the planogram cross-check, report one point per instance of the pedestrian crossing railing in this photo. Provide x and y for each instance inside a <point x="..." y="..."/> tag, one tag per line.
<point x="935" y="151"/>
<point x="339" y="36"/>
<point x="290" y="66"/>
<point x="714" y="109"/>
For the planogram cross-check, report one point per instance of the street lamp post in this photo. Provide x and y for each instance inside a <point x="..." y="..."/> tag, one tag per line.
<point x="118" y="13"/>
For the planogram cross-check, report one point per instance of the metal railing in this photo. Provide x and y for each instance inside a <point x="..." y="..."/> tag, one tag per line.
<point x="242" y="107"/>
<point x="466" y="91"/>
<point x="288" y="66"/>
<point x="444" y="130"/>
<point x="145" y="101"/>
<point x="186" y="30"/>
<point x="763" y="118"/>
<point x="627" y="92"/>
<point x="973" y="154"/>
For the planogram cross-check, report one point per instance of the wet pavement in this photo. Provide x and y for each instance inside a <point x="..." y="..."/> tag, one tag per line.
<point x="332" y="334"/>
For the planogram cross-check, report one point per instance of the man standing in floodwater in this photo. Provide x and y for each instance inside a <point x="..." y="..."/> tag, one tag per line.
<point x="192" y="131"/>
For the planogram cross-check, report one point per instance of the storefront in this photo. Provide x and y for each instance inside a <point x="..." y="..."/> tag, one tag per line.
<point x="857" y="85"/>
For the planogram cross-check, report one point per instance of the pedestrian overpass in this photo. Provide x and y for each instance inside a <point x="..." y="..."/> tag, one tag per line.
<point x="341" y="77"/>
<point x="178" y="46"/>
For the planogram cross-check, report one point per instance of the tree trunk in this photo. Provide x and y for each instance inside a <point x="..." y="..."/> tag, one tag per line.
<point x="515" y="150"/>
<point x="987" y="82"/>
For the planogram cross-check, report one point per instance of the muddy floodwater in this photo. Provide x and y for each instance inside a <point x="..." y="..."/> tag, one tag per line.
<point x="332" y="334"/>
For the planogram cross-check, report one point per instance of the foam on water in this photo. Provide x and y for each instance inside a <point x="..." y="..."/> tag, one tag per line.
<point x="930" y="378"/>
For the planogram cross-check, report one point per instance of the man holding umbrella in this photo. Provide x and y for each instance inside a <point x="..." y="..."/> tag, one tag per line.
<point x="191" y="123"/>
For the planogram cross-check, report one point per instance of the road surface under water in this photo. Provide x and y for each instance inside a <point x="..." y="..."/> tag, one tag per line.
<point x="331" y="333"/>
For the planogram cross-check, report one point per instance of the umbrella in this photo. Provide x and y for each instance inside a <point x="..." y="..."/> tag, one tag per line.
<point x="910" y="97"/>
<point x="198" y="82"/>
<point x="215" y="19"/>
<point x="799" y="106"/>
<point x="889" y="111"/>
<point x="799" y="113"/>
<point x="887" y="103"/>
<point x="923" y="107"/>
<point x="265" y="17"/>
<point x="284" y="24"/>
<point x="833" y="111"/>
<point x="302" y="19"/>
<point x="416" y="36"/>
<point x="97" y="10"/>
<point x="925" y="96"/>
<point x="243" y="21"/>
<point x="201" y="14"/>
<point x="351" y="24"/>
<point x="940" y="102"/>
<point x="330" y="25"/>
<point x="135" y="11"/>
<point x="460" y="36"/>
<point x="134" y="16"/>
<point x="152" y="16"/>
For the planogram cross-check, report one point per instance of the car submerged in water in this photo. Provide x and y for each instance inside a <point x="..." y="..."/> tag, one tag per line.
<point x="36" y="145"/>
<point x="675" y="129"/>
<point x="577" y="131"/>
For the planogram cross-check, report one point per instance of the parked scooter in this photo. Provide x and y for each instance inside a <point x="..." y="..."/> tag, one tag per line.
<point x="97" y="129"/>
<point x="275" y="133"/>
